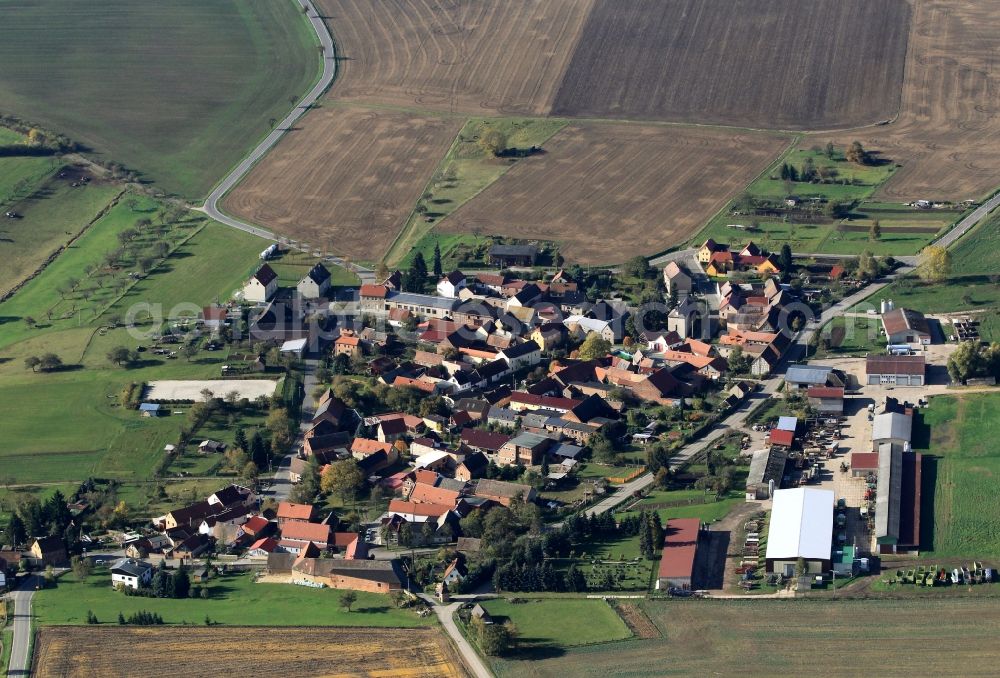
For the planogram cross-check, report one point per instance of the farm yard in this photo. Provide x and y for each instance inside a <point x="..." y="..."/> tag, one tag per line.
<point x="961" y="476"/>
<point x="846" y="71"/>
<point x="186" y="92"/>
<point x="606" y="192"/>
<point x="494" y="57"/>
<point x="771" y="637"/>
<point x="347" y="180"/>
<point x="76" y="652"/>
<point x="947" y="135"/>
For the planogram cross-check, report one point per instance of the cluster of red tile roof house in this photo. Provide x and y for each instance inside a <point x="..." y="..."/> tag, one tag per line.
<point x="718" y="260"/>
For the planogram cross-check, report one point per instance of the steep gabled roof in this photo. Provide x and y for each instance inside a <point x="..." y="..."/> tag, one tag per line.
<point x="265" y="275"/>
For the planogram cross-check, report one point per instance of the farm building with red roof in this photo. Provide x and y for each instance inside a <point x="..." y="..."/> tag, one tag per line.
<point x="680" y="549"/>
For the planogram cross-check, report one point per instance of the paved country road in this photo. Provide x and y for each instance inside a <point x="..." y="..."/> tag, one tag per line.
<point x="20" y="661"/>
<point x="211" y="206"/>
<point x="968" y="222"/>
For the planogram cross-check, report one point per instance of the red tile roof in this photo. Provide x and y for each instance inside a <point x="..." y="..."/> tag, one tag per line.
<point x="298" y="531"/>
<point x="290" y="511"/>
<point x="543" y="401"/>
<point x="367" y="446"/>
<point x="419" y="384"/>
<point x="900" y="364"/>
<point x="825" y="392"/>
<point x="680" y="545"/>
<point x="266" y="544"/>
<point x="428" y="494"/>
<point x="408" y="507"/>
<point x="484" y="440"/>
<point x="779" y="437"/>
<point x="864" y="460"/>
<point x="378" y="291"/>
<point x="255" y="525"/>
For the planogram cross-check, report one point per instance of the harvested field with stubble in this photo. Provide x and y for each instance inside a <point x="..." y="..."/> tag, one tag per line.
<point x="473" y="56"/>
<point x="347" y="180"/>
<point x="607" y="192"/>
<point x="783" y="64"/>
<point x="947" y="136"/>
<point x="76" y="651"/>
<point x="905" y="638"/>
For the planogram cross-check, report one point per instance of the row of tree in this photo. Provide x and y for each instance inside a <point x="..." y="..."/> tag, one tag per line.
<point x="33" y="518"/>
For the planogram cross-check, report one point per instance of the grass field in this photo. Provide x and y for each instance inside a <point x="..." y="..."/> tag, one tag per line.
<point x="66" y="425"/>
<point x="234" y="600"/>
<point x="186" y="92"/>
<point x="77" y="652"/>
<point x="786" y="638"/>
<point x="963" y="476"/>
<point x="464" y="172"/>
<point x="904" y="230"/>
<point x="648" y="60"/>
<point x="606" y="192"/>
<point x="292" y="265"/>
<point x="561" y="622"/>
<point x="947" y="134"/>
<point x="971" y="286"/>
<point x="347" y="180"/>
<point x="51" y="213"/>
<point x="851" y="337"/>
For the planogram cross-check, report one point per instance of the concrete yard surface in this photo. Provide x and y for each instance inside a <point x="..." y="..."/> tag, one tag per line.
<point x="169" y="390"/>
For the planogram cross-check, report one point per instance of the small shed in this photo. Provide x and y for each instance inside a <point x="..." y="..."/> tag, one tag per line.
<point x="296" y="347"/>
<point x="150" y="409"/>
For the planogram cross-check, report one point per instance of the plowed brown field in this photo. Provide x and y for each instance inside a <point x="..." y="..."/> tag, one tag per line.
<point x="347" y="180"/>
<point x="947" y="137"/>
<point x="780" y="64"/>
<point x="78" y="651"/>
<point x="475" y="56"/>
<point x="606" y="192"/>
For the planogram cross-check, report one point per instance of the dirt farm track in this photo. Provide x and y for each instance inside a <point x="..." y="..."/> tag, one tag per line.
<point x="112" y="651"/>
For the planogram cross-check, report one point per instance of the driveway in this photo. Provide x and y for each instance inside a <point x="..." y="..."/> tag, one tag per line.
<point x="446" y="615"/>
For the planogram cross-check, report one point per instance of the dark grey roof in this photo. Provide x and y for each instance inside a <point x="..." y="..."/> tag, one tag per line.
<point x="319" y="274"/>
<point x="514" y="250"/>
<point x="521" y="350"/>
<point x="130" y="567"/>
<point x="808" y="374"/>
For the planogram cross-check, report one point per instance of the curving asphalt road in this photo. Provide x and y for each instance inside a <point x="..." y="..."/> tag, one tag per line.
<point x="211" y="206"/>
